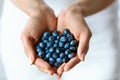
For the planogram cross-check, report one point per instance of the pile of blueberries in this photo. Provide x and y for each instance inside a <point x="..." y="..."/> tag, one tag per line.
<point x="56" y="48"/>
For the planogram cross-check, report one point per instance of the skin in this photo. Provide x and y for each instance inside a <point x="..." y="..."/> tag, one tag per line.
<point x="42" y="18"/>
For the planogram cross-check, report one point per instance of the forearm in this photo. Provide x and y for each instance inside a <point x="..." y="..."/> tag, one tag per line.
<point x="31" y="7"/>
<point x="89" y="7"/>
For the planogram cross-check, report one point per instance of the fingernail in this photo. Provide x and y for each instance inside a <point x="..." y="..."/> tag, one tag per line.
<point x="82" y="57"/>
<point x="30" y="60"/>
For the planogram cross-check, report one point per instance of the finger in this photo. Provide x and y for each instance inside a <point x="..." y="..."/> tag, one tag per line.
<point x="71" y="63"/>
<point x="29" y="48"/>
<point x="83" y="44"/>
<point x="44" y="66"/>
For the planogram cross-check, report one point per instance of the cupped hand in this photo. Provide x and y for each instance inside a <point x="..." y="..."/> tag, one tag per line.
<point x="72" y="18"/>
<point x="38" y="23"/>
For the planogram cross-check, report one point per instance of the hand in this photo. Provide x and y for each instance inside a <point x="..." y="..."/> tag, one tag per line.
<point x="44" y="20"/>
<point x="71" y="18"/>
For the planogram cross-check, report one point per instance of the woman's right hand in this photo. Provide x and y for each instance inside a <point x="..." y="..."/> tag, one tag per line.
<point x="40" y="21"/>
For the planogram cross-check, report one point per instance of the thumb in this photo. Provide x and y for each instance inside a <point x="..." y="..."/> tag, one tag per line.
<point x="83" y="45"/>
<point x="29" y="48"/>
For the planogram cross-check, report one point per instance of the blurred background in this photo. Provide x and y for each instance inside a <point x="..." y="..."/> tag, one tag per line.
<point x="2" y="73"/>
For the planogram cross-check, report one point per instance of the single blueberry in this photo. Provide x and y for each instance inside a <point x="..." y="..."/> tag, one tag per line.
<point x="65" y="59"/>
<point x="66" y="46"/>
<point x="57" y="50"/>
<point x="72" y="48"/>
<point x="48" y="55"/>
<point x="42" y="45"/>
<point x="51" y="49"/>
<point x="61" y="44"/>
<point x="66" y="31"/>
<point x="46" y="34"/>
<point x="56" y="41"/>
<point x="71" y="55"/>
<point x="55" y="56"/>
<point x="63" y="39"/>
<point x="38" y="49"/>
<point x="51" y="60"/>
<point x="59" y="60"/>
<point x="67" y="51"/>
<point x="55" y="45"/>
<point x="49" y="44"/>
<point x="62" y="55"/>
<point x="45" y="41"/>
<point x="51" y="38"/>
<point x="55" y="33"/>
<point x="41" y="54"/>
<point x="73" y="42"/>
<point x="57" y="64"/>
<point x="70" y="37"/>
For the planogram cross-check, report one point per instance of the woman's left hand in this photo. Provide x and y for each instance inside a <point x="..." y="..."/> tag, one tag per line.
<point x="72" y="18"/>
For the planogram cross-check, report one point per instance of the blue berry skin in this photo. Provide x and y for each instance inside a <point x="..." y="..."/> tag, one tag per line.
<point x="46" y="34"/>
<point x="62" y="55"/>
<point x="72" y="48"/>
<point x="45" y="41"/>
<point x="51" y="61"/>
<point x="71" y="55"/>
<point x="48" y="55"/>
<point x="55" y="45"/>
<point x="55" y="56"/>
<point x="56" y="41"/>
<point x="42" y="45"/>
<point x="70" y="37"/>
<point x="66" y="31"/>
<point x="61" y="44"/>
<point x="59" y="60"/>
<point x="57" y="64"/>
<point x="57" y="50"/>
<point x="51" y="49"/>
<point x="55" y="33"/>
<point x="63" y="39"/>
<point x="41" y="54"/>
<point x="73" y="42"/>
<point x="65" y="59"/>
<point x="51" y="38"/>
<point x="66" y="46"/>
<point x="67" y="51"/>
<point x="49" y="44"/>
<point x="38" y="49"/>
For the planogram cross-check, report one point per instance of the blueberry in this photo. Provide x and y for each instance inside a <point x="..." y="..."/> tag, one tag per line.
<point x="51" y="61"/>
<point x="46" y="34"/>
<point x="57" y="50"/>
<point x="51" y="49"/>
<point x="56" y="41"/>
<point x="58" y="37"/>
<point x="41" y="54"/>
<point x="73" y="42"/>
<point x="65" y="59"/>
<point x="62" y="55"/>
<point x="45" y="41"/>
<point x="55" y="33"/>
<point x="42" y="45"/>
<point x="57" y="64"/>
<point x="59" y="60"/>
<point x="55" y="45"/>
<point x="71" y="55"/>
<point x="70" y="37"/>
<point x="48" y="55"/>
<point x="55" y="56"/>
<point x="61" y="44"/>
<point x="63" y="39"/>
<point x="66" y="46"/>
<point x="46" y="51"/>
<point x="72" y="48"/>
<point x="38" y="49"/>
<point x="49" y="44"/>
<point x="51" y="38"/>
<point x="66" y="31"/>
<point x="67" y="51"/>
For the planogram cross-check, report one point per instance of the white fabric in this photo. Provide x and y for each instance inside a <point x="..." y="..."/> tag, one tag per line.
<point x="101" y="61"/>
